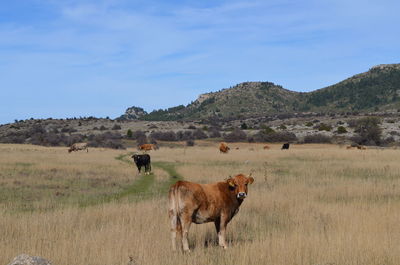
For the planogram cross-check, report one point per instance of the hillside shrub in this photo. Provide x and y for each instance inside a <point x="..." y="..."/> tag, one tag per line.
<point x="369" y="131"/>
<point x="388" y="141"/>
<point x="236" y="135"/>
<point x="14" y="138"/>
<point x="268" y="130"/>
<point x="116" y="127"/>
<point x="68" y="130"/>
<point x="263" y="136"/>
<point x="129" y="134"/>
<point x="341" y="129"/>
<point x="164" y="136"/>
<point x="324" y="127"/>
<point x="141" y="140"/>
<point x="184" y="135"/>
<point x="317" y="138"/>
<point x="107" y="140"/>
<point x="199" y="134"/>
<point x="190" y="143"/>
<point x="214" y="133"/>
<point x="138" y="134"/>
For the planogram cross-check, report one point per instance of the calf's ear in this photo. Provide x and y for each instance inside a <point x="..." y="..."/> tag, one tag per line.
<point x="251" y="180"/>
<point x="230" y="182"/>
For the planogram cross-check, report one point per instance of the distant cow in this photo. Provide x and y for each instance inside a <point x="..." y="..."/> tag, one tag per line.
<point x="266" y="147"/>
<point x="201" y="203"/>
<point x="142" y="161"/>
<point x="148" y="147"/>
<point x="223" y="148"/>
<point x="285" y="146"/>
<point x="78" y="146"/>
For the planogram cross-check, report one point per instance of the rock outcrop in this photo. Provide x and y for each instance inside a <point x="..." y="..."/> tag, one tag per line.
<point x="25" y="259"/>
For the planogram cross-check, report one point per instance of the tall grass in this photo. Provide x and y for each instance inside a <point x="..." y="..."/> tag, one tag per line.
<point x="312" y="204"/>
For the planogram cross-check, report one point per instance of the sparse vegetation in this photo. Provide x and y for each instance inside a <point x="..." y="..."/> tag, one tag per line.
<point x="317" y="205"/>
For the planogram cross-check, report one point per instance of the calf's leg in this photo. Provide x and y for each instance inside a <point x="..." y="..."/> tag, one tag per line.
<point x="186" y="221"/>
<point x="176" y="228"/>
<point x="220" y="226"/>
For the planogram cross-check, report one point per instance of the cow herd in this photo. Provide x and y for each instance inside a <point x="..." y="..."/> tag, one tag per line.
<point x="224" y="148"/>
<point x="191" y="202"/>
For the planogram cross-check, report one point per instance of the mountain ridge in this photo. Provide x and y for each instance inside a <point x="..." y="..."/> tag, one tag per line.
<point x="377" y="88"/>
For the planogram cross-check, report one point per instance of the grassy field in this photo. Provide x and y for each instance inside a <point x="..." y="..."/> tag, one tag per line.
<point x="312" y="204"/>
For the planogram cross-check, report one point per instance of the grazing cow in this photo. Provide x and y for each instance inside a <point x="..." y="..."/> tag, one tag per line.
<point x="78" y="146"/>
<point x="201" y="203"/>
<point x="223" y="148"/>
<point x="266" y="147"/>
<point x="285" y="146"/>
<point x="349" y="147"/>
<point x="143" y="160"/>
<point x="148" y="147"/>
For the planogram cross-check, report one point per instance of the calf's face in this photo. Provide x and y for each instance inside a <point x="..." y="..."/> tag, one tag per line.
<point x="238" y="185"/>
<point x="135" y="158"/>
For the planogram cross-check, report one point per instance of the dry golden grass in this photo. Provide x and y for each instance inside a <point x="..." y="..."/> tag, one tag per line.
<point x="312" y="204"/>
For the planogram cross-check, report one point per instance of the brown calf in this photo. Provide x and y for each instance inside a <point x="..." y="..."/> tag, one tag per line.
<point x="223" y="148"/>
<point x="201" y="203"/>
<point x="147" y="147"/>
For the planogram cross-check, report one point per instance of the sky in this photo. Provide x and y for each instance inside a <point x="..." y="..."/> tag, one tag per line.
<point x="77" y="58"/>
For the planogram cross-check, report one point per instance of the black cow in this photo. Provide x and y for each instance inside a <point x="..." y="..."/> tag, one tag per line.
<point x="143" y="160"/>
<point x="285" y="146"/>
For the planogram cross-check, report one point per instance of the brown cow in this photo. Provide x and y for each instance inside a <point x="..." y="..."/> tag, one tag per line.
<point x="201" y="203"/>
<point x="147" y="147"/>
<point x="266" y="147"/>
<point x="223" y="148"/>
<point x="78" y="146"/>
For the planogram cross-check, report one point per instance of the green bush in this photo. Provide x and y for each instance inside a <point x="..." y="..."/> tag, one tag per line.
<point x="309" y="124"/>
<point x="341" y="129"/>
<point x="129" y="133"/>
<point x="324" y="127"/>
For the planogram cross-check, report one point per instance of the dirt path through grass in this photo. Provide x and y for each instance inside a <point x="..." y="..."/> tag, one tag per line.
<point x="146" y="186"/>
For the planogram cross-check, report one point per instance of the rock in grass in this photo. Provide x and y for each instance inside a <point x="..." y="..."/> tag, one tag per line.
<point x="25" y="259"/>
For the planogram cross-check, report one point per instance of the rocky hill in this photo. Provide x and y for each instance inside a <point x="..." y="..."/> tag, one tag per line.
<point x="376" y="89"/>
<point x="133" y="113"/>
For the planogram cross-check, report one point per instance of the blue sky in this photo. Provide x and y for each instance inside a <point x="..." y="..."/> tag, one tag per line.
<point x="98" y="57"/>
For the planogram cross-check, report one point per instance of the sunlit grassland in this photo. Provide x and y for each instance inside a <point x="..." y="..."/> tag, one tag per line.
<point x="312" y="204"/>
